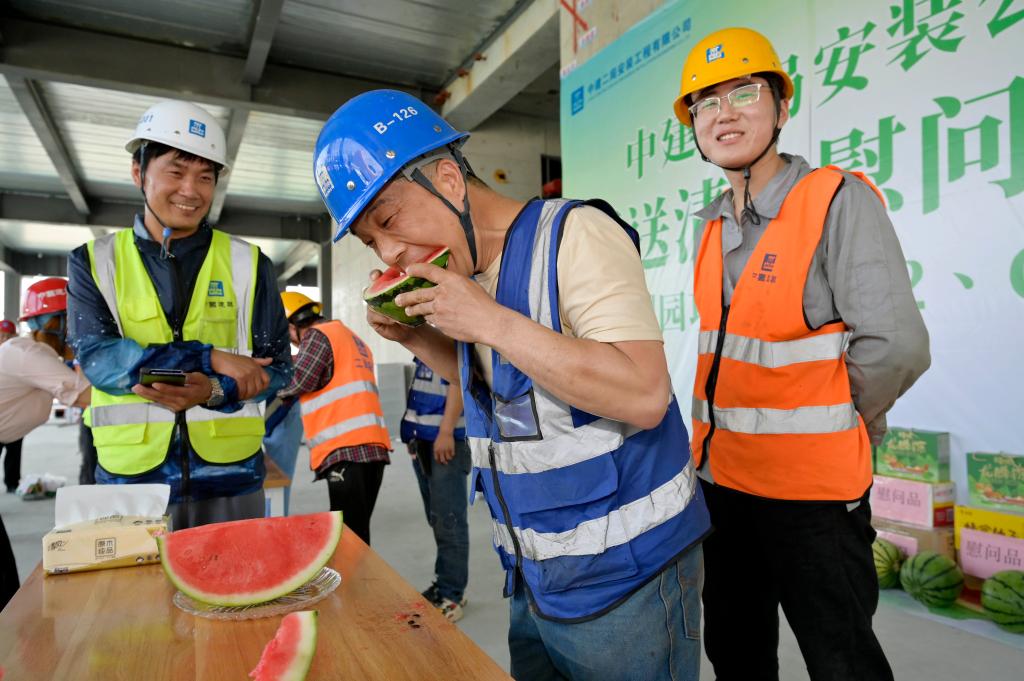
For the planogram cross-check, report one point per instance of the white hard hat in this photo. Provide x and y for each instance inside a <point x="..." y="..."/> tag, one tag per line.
<point x="184" y="126"/>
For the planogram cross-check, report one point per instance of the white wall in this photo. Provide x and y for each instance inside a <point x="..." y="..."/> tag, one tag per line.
<point x="505" y="142"/>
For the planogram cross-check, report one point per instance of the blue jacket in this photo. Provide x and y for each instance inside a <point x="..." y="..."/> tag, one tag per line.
<point x="584" y="509"/>
<point x="112" y="363"/>
<point x="425" y="405"/>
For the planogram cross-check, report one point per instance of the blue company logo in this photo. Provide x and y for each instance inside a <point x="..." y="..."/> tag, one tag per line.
<point x="715" y="53"/>
<point x="768" y="264"/>
<point x="216" y="289"/>
<point x="577" y="100"/>
<point x="197" y="128"/>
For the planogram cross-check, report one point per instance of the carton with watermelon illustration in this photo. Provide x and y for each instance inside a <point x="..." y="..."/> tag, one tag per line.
<point x="996" y="481"/>
<point x="914" y="454"/>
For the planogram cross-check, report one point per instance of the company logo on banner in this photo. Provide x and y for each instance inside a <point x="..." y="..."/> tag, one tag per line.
<point x="926" y="98"/>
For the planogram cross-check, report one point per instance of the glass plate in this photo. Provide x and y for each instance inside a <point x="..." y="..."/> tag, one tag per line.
<point x="316" y="589"/>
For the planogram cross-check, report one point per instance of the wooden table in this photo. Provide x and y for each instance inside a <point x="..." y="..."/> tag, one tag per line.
<point x="121" y="624"/>
<point x="273" y="487"/>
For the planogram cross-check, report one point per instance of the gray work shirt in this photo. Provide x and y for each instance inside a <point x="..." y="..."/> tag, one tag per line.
<point x="858" y="275"/>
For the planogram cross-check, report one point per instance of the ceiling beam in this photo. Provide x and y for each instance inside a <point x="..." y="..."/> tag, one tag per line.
<point x="236" y="130"/>
<point x="117" y="214"/>
<point x="31" y="101"/>
<point x="266" y="17"/>
<point x="514" y="57"/>
<point x="299" y="257"/>
<point x="56" y="53"/>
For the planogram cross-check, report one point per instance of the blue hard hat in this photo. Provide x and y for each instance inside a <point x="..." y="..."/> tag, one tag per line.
<point x="366" y="142"/>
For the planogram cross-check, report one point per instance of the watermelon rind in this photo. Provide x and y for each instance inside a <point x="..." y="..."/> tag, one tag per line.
<point x="301" y="576"/>
<point x="384" y="301"/>
<point x="888" y="559"/>
<point x="302" y="656"/>
<point x="932" y="578"/>
<point x="1002" y="597"/>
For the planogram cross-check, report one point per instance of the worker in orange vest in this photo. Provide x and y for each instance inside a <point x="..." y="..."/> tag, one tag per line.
<point x="808" y="335"/>
<point x="341" y="413"/>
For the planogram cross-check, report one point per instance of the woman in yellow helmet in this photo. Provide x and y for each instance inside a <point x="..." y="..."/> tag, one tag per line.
<point x="809" y="333"/>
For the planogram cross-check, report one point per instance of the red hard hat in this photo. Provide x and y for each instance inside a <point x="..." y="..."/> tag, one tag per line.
<point x="45" y="297"/>
<point x="7" y="326"/>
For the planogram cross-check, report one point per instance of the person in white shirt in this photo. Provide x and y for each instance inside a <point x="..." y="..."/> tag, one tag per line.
<point x="32" y="373"/>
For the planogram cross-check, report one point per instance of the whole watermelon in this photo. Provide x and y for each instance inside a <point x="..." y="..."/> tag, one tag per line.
<point x="888" y="558"/>
<point x="1002" y="596"/>
<point x="931" y="578"/>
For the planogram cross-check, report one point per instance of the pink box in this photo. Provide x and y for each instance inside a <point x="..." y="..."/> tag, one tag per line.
<point x="982" y="554"/>
<point x="923" y="504"/>
<point x="906" y="544"/>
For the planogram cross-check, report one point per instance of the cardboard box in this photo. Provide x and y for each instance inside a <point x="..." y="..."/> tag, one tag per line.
<point x="995" y="522"/>
<point x="911" y="540"/>
<point x="996" y="481"/>
<point x="982" y="554"/>
<point x="923" y="504"/>
<point x="112" y="541"/>
<point x="914" y="454"/>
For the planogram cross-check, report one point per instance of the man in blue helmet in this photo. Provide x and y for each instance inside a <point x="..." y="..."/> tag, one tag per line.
<point x="577" y="442"/>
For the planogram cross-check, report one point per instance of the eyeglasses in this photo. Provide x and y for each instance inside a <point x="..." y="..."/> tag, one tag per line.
<point x="744" y="95"/>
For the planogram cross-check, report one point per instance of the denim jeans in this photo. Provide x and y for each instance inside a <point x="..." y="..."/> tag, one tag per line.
<point x="445" y="498"/>
<point x="653" y="636"/>
<point x="282" y="445"/>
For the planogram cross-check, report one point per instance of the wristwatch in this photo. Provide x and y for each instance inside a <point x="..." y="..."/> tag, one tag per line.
<point x="216" y="394"/>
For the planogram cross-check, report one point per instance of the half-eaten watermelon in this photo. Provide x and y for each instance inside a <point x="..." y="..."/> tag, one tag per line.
<point x="290" y="653"/>
<point x="249" y="561"/>
<point x="380" y="294"/>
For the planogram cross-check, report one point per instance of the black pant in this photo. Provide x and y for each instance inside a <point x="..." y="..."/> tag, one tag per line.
<point x="8" y="567"/>
<point x="12" y="464"/>
<point x="87" y="474"/>
<point x="812" y="558"/>
<point x="353" y="489"/>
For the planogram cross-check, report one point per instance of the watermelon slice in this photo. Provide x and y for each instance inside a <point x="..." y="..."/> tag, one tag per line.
<point x="249" y="561"/>
<point x="380" y="295"/>
<point x="290" y="653"/>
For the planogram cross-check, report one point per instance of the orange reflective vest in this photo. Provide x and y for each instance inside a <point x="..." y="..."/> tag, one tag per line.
<point x="782" y="424"/>
<point x="346" y="412"/>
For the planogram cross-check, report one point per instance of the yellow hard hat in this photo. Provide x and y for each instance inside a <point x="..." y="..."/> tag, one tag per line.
<point x="294" y="302"/>
<point x="724" y="55"/>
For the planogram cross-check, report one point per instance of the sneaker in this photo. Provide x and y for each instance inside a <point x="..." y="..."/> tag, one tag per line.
<point x="451" y="610"/>
<point x="432" y="595"/>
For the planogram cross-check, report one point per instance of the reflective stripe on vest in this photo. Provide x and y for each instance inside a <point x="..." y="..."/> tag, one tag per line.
<point x="783" y="424"/>
<point x="132" y="435"/>
<point x="346" y="412"/>
<point x="587" y="508"/>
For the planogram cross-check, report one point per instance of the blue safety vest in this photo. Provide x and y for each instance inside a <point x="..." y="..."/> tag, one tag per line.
<point x="425" y="406"/>
<point x="586" y="509"/>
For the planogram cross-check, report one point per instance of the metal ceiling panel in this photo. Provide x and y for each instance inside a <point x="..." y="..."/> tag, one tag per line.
<point x="24" y="164"/>
<point x="217" y="25"/>
<point x="405" y="41"/>
<point x="95" y="125"/>
<point x="276" y="160"/>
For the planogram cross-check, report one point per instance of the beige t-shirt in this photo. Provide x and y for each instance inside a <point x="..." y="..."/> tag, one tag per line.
<point x="602" y="293"/>
<point x="31" y="376"/>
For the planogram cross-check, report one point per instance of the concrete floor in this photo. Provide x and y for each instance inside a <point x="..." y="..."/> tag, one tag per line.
<point x="918" y="648"/>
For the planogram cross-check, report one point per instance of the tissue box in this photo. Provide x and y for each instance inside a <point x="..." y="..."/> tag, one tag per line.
<point x="996" y="481"/>
<point x="914" y="503"/>
<point x="112" y="541"/>
<point x="914" y="454"/>
<point x="911" y="540"/>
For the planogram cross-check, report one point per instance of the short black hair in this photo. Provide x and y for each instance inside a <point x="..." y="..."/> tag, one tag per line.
<point x="147" y="151"/>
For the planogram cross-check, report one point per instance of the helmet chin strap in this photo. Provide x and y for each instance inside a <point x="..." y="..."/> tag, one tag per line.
<point x="416" y="175"/>
<point x="749" y="211"/>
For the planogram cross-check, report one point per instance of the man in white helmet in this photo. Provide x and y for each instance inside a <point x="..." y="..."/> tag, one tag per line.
<point x="174" y="293"/>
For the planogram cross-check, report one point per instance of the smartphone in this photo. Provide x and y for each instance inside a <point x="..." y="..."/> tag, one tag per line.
<point x="149" y="376"/>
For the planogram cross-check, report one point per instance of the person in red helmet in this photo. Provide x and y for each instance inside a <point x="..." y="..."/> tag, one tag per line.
<point x="32" y="373"/>
<point x="12" y="462"/>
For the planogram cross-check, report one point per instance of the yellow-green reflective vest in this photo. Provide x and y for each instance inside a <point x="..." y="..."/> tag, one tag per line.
<point x="132" y="434"/>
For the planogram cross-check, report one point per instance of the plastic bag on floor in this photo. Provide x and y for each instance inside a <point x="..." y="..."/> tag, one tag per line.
<point x="34" y="486"/>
